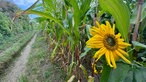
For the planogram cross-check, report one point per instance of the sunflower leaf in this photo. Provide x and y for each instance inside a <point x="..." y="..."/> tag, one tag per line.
<point x="138" y="45"/>
<point x="127" y="73"/>
<point x="120" y="12"/>
<point x="136" y="74"/>
<point x="120" y="73"/>
<point x="106" y="73"/>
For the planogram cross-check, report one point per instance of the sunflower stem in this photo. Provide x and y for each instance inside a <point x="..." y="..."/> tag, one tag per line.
<point x="140" y="2"/>
<point x="95" y="15"/>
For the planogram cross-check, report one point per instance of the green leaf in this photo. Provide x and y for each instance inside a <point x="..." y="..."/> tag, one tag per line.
<point x="120" y="12"/>
<point x="136" y="74"/>
<point x="105" y="73"/>
<point x="119" y="74"/>
<point x="129" y="76"/>
<point x="138" y="45"/>
<point x="135" y="11"/>
<point x="76" y="12"/>
<point x="85" y="53"/>
<point x="134" y="16"/>
<point x="70" y="69"/>
<point x="45" y="15"/>
<point x="53" y="52"/>
<point x="84" y="71"/>
<point x="143" y="11"/>
<point x="127" y="73"/>
<point x="84" y="7"/>
<point x="77" y="20"/>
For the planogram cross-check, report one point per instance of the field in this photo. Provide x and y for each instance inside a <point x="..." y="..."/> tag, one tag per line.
<point x="73" y="41"/>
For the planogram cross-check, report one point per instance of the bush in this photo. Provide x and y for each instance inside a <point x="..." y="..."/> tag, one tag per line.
<point x="1" y="37"/>
<point x="4" y="25"/>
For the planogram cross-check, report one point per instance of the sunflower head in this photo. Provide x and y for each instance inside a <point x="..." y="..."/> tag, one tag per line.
<point x="109" y="44"/>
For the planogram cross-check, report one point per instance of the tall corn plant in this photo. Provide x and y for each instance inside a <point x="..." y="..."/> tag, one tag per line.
<point x="63" y="20"/>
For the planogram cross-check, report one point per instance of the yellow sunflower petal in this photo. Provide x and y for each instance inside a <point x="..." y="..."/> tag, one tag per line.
<point x="113" y="60"/>
<point x="96" y="54"/>
<point x="116" y="57"/>
<point x="97" y="23"/>
<point x="101" y="33"/>
<point x="108" y="24"/>
<point x="118" y="35"/>
<point x="120" y="40"/>
<point x="94" y="38"/>
<point x="113" y="27"/>
<point x="123" y="52"/>
<point x="122" y="47"/>
<point x="113" y="30"/>
<point x="119" y="54"/>
<point x="95" y="42"/>
<point x="124" y="44"/>
<point x="107" y="55"/>
<point x="94" y="30"/>
<point x="103" y="27"/>
<point x="100" y="51"/>
<point x="99" y="56"/>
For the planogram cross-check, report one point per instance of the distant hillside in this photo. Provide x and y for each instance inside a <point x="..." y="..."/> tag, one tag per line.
<point x="8" y="8"/>
<point x="9" y="28"/>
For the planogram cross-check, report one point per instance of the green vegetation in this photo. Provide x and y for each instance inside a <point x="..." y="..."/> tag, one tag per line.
<point x="39" y="67"/>
<point x="116" y="29"/>
<point x="11" y="41"/>
<point x="7" y="56"/>
<point x="14" y="34"/>
<point x="67" y="27"/>
<point x="11" y="30"/>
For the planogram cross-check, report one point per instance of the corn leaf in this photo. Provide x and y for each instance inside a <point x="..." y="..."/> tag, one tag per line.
<point x="84" y="7"/>
<point x="45" y="15"/>
<point x="76" y="18"/>
<point x="120" y="12"/>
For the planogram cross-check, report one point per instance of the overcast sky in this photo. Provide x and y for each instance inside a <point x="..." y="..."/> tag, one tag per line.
<point x="23" y="4"/>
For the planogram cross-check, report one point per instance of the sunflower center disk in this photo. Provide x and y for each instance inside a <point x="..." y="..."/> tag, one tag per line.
<point x="110" y="42"/>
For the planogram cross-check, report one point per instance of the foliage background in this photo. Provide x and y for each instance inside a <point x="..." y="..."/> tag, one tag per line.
<point x="65" y="25"/>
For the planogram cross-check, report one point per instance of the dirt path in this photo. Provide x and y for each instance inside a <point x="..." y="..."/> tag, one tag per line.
<point x="20" y="64"/>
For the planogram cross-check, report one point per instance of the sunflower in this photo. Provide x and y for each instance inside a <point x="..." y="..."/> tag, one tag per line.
<point x="109" y="44"/>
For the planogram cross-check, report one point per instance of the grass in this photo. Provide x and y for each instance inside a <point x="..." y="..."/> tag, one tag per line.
<point x="11" y="52"/>
<point x="39" y="68"/>
<point x="11" y="40"/>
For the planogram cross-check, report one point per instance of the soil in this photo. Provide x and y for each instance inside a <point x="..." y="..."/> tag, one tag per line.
<point x="19" y="66"/>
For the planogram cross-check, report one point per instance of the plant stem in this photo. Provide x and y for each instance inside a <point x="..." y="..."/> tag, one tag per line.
<point x="140" y="2"/>
<point x="95" y="15"/>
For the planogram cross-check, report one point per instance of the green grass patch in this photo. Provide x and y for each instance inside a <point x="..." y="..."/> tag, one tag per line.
<point x="9" y="41"/>
<point x="13" y="51"/>
<point x="39" y="68"/>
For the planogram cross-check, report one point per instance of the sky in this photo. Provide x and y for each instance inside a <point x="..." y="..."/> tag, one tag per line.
<point x="24" y="4"/>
